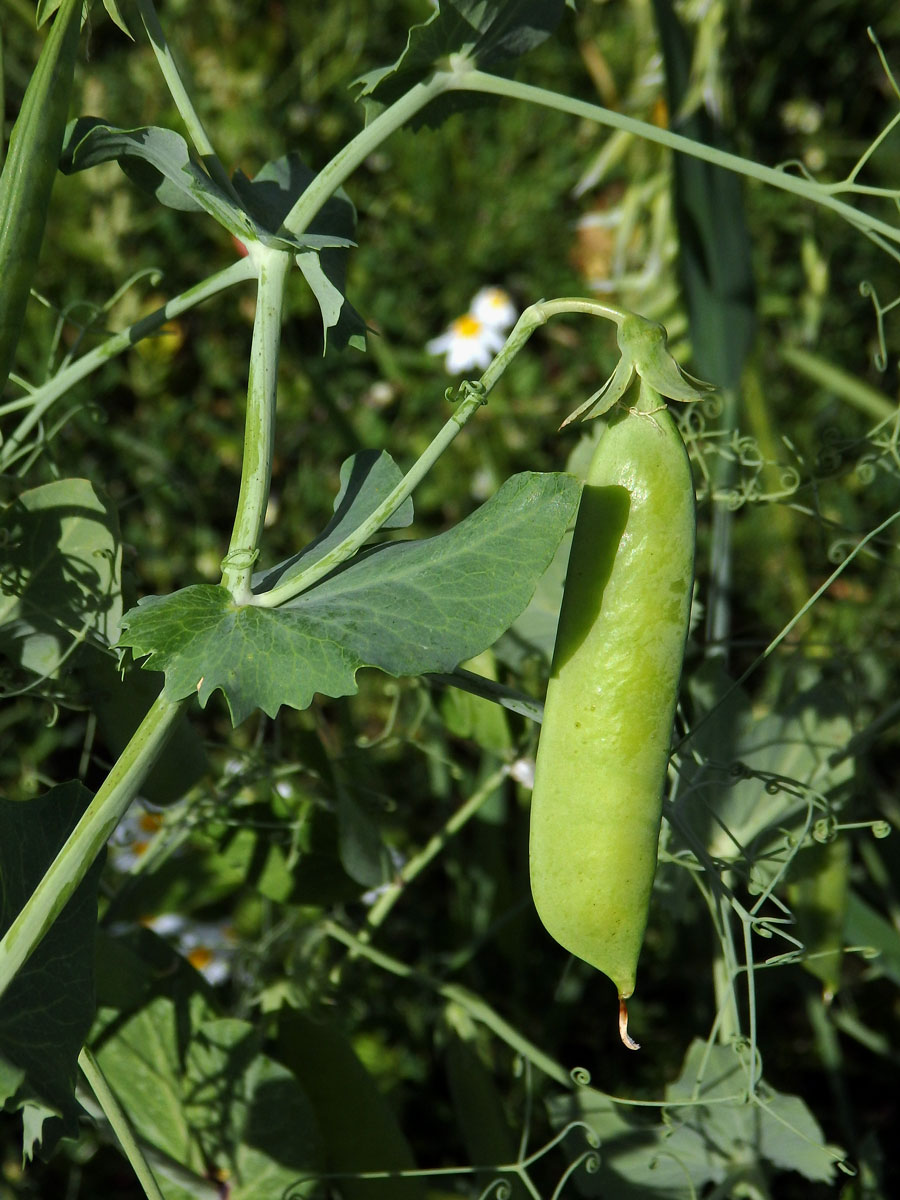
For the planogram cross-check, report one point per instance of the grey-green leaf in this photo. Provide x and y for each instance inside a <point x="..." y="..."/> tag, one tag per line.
<point x="406" y="608"/>
<point x="367" y="479"/>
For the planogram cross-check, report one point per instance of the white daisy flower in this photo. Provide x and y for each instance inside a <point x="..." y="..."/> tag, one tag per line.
<point x="207" y="945"/>
<point x="467" y="343"/>
<point x="493" y="307"/>
<point x="133" y="835"/>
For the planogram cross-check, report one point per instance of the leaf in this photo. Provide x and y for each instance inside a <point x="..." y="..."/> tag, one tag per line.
<point x="714" y="253"/>
<point x="269" y="196"/>
<point x="159" y="161"/>
<point x="61" y="576"/>
<point x="639" y="1159"/>
<point x="770" y="1126"/>
<point x="114" y="9"/>
<point x="46" y="1011"/>
<point x="362" y="852"/>
<point x="406" y="608"/>
<point x="199" y="1091"/>
<point x="754" y="774"/>
<point x="486" y="34"/>
<point x="366" y="479"/>
<point x="712" y="1133"/>
<point x="359" y="1128"/>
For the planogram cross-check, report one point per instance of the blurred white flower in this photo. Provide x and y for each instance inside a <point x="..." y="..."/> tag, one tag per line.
<point x="468" y="342"/>
<point x="133" y="835"/>
<point x="493" y="307"/>
<point x="207" y="945"/>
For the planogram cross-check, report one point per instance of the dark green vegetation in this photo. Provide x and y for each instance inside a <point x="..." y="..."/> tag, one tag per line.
<point x="407" y="1022"/>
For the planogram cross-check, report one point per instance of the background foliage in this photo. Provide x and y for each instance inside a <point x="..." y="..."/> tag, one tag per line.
<point x="280" y="830"/>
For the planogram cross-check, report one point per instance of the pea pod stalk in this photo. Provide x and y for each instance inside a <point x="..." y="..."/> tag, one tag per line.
<point x="604" y="745"/>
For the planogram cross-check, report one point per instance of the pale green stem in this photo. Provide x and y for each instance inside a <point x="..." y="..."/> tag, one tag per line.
<point x="42" y="398"/>
<point x="119" y="1123"/>
<point x="358" y="149"/>
<point x="723" y="473"/>
<point x="87" y="839"/>
<point x="845" y="386"/>
<point x="181" y="97"/>
<point x="473" y="1005"/>
<point x="259" y="431"/>
<point x="414" y="866"/>
<point x="819" y="193"/>
<point x="475" y="395"/>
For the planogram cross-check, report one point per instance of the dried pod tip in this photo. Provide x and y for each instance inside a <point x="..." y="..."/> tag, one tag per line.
<point x="627" y="1040"/>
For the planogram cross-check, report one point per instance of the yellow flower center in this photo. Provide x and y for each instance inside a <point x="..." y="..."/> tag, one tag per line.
<point x="467" y="326"/>
<point x="200" y="957"/>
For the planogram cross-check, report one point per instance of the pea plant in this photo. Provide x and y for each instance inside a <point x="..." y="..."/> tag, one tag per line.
<point x="189" y="974"/>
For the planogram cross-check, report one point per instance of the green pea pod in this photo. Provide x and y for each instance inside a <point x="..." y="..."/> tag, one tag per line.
<point x="604" y="745"/>
<point x="29" y="171"/>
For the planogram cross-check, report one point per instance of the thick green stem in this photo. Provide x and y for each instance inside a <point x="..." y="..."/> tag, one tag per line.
<point x="259" y="433"/>
<point x="87" y="839"/>
<point x="119" y="1123"/>
<point x="474" y="397"/>
<point x="42" y="398"/>
<point x="808" y="189"/>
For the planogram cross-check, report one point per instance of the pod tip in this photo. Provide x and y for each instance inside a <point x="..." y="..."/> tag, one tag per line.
<point x="627" y="1039"/>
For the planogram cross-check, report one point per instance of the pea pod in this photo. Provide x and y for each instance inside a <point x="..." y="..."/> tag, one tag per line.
<point x="604" y="744"/>
<point x="29" y="171"/>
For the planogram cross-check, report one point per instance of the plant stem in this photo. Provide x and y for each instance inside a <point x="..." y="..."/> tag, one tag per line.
<point x="87" y="839"/>
<point x="259" y="433"/>
<point x="118" y="1120"/>
<point x="473" y="397"/>
<point x="358" y="149"/>
<point x="41" y="399"/>
<point x="473" y="1005"/>
<point x="808" y="189"/>
<point x="181" y="97"/>
<point x="416" y="865"/>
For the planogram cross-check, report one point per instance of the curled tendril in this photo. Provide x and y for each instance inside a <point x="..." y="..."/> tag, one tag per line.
<point x="590" y="1160"/>
<point x="497" y="1189"/>
<point x="748" y="452"/>
<point x="580" y="1076"/>
<point x="846" y="1166"/>
<point x="881" y="829"/>
<point x="713" y="406"/>
<point x="240" y="560"/>
<point x="825" y="830"/>
<point x="740" y="770"/>
<point x="839" y="549"/>
<point x="866" y="470"/>
<point x="773" y="787"/>
<point x="867" y="290"/>
<point x="469" y="389"/>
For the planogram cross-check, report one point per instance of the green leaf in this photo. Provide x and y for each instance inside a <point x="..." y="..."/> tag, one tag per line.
<point x="782" y="757"/>
<point x="197" y="1088"/>
<point x="114" y="8"/>
<point x="46" y="1011"/>
<point x="366" y="479"/>
<point x="269" y="196"/>
<point x="712" y="1139"/>
<point x="363" y="854"/>
<point x="405" y="607"/>
<point x="359" y="1128"/>
<point x="61" y="576"/>
<point x="770" y="1126"/>
<point x="486" y="34"/>
<point x="159" y="161"/>
<point x="713" y="242"/>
